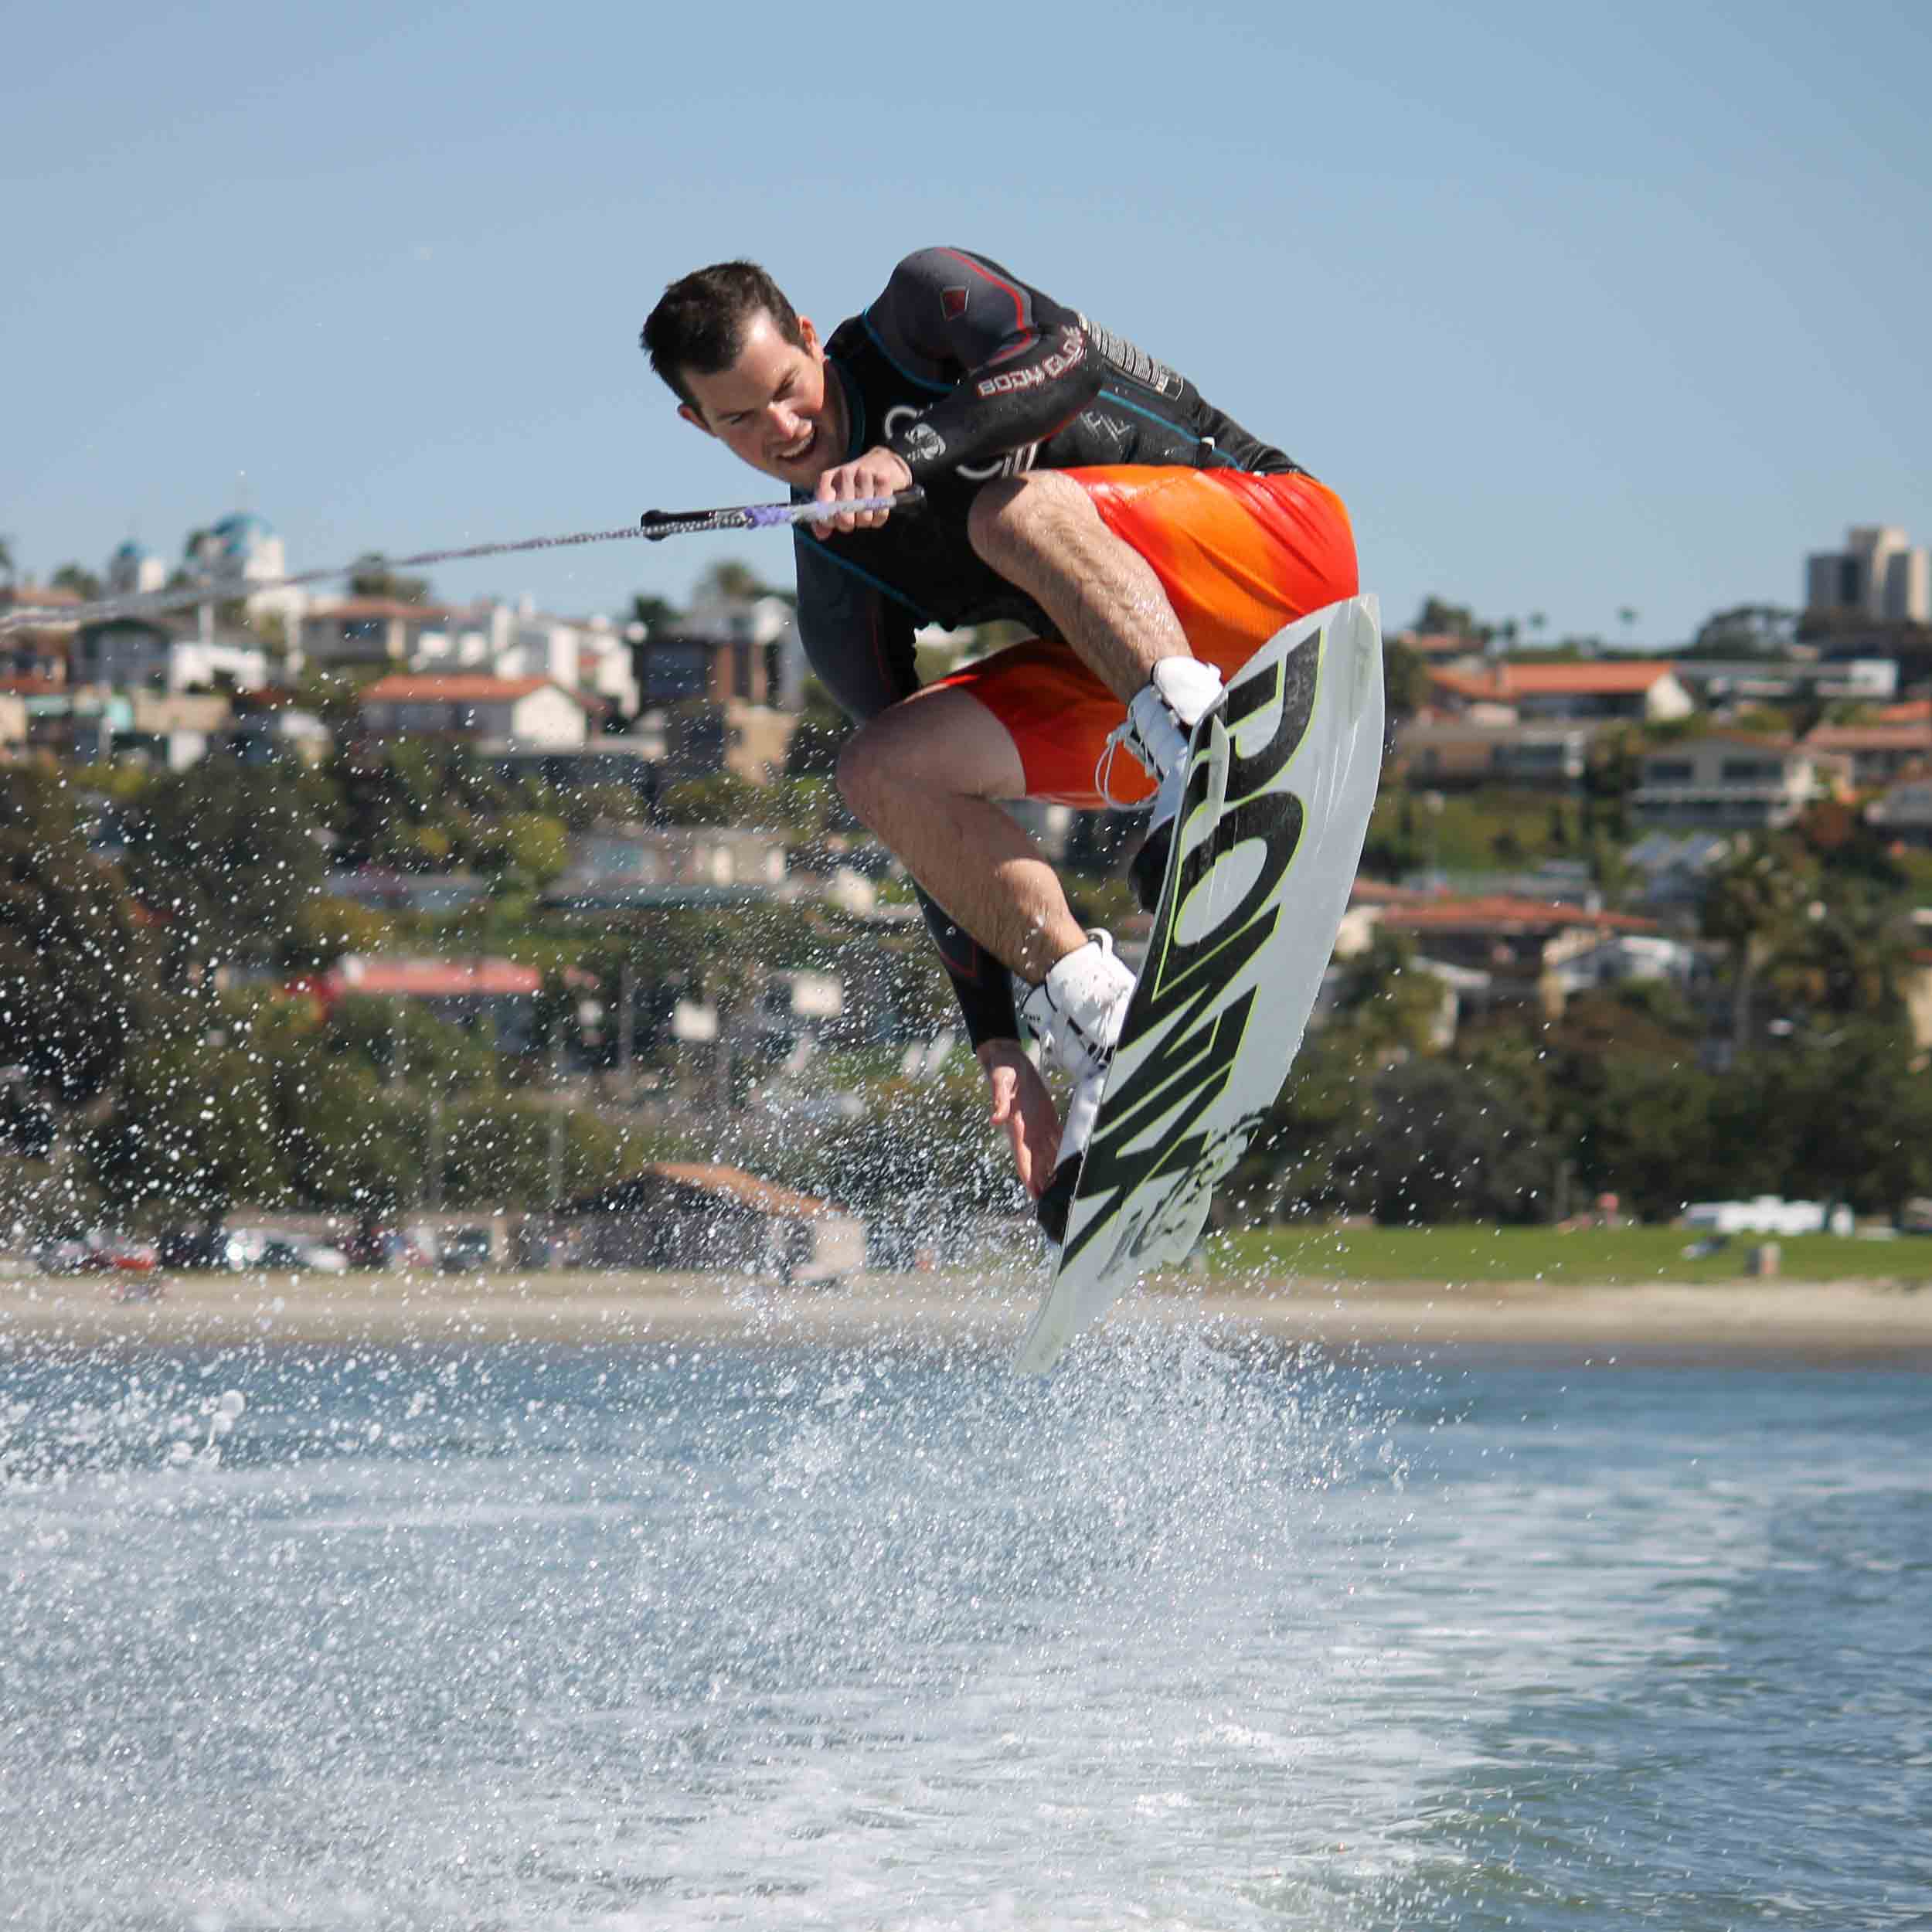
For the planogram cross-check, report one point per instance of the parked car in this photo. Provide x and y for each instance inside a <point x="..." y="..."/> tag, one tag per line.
<point x="250" y="1249"/>
<point x="386" y="1248"/>
<point x="299" y="1254"/>
<point x="197" y="1247"/>
<point x="465" y="1250"/>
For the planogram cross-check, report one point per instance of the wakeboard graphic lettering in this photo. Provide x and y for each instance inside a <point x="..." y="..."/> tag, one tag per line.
<point x="1281" y="778"/>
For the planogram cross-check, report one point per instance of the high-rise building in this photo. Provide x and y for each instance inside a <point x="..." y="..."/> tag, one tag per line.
<point x="1879" y="574"/>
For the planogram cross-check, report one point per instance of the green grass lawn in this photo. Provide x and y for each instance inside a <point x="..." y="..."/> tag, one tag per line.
<point x="1588" y="1258"/>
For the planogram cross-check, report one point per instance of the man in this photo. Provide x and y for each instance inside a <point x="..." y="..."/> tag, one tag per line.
<point x="1071" y="481"/>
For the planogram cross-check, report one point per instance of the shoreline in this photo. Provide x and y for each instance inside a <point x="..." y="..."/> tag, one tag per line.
<point x="1853" y="1324"/>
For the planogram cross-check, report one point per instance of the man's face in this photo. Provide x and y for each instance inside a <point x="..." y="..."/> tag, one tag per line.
<point x="773" y="406"/>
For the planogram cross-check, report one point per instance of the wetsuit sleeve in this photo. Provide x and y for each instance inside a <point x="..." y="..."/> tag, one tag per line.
<point x="1008" y="365"/>
<point x="859" y="643"/>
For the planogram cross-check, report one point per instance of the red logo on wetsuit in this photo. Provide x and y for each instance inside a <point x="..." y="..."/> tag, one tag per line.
<point x="954" y="302"/>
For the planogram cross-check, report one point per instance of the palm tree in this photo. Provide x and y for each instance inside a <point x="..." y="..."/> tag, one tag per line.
<point x="1848" y="956"/>
<point x="1755" y="901"/>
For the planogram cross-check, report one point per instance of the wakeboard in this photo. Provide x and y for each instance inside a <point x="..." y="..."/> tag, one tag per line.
<point x="1281" y="778"/>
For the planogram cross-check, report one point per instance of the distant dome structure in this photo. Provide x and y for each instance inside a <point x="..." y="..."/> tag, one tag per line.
<point x="241" y="545"/>
<point x="133" y="568"/>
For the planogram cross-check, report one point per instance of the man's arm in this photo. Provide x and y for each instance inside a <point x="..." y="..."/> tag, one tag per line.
<point x="1008" y="365"/>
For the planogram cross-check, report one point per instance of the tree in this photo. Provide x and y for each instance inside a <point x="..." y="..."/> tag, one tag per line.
<point x="1437" y="618"/>
<point x="222" y="855"/>
<point x="1845" y="1114"/>
<point x="192" y="1129"/>
<point x="370" y="576"/>
<point x="83" y="584"/>
<point x="1845" y="955"/>
<point x="730" y="580"/>
<point x="1753" y="904"/>
<point x="658" y="615"/>
<point x="76" y="970"/>
<point x="1405" y="677"/>
<point x="6" y="560"/>
<point x="822" y="728"/>
<point x="1453" y="1143"/>
<point x="1745" y="630"/>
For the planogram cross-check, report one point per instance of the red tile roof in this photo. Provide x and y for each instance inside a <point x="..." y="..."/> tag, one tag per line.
<point x="31" y="596"/>
<point x="1505" y="913"/>
<point x="430" y="978"/>
<point x="1867" y="737"/>
<point x="461" y="687"/>
<point x="1376" y="892"/>
<point x="1505" y="681"/>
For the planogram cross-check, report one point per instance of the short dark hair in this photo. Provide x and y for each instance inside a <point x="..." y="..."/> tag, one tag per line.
<point x="700" y="321"/>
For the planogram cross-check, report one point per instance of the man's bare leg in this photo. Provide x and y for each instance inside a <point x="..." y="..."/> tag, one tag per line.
<point x="925" y="776"/>
<point x="1041" y="532"/>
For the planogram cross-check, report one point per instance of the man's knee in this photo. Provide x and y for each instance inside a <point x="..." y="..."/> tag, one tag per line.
<point x="1016" y="517"/>
<point x="865" y="774"/>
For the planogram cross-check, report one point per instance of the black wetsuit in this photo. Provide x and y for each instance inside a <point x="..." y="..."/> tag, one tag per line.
<point x="967" y="373"/>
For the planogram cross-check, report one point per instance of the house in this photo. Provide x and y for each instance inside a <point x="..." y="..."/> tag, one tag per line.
<point x="1878" y="752"/>
<point x="1544" y="757"/>
<point x="533" y="712"/>
<point x="38" y="648"/>
<point x="629" y="762"/>
<point x="337" y="631"/>
<point x="1903" y="811"/>
<point x="760" y="656"/>
<point x="519" y="640"/>
<point x="721" y="690"/>
<point x="171" y="728"/>
<point x="1735" y="778"/>
<point x="612" y="866"/>
<point x="706" y="1218"/>
<point x="271" y="731"/>
<point x="1716" y="682"/>
<point x="1512" y="693"/>
<point x="1524" y="945"/>
<point x="1675" y="868"/>
<point x="1918" y="995"/>
<point x="145" y="654"/>
<point x="1620" y="957"/>
<point x="496" y="994"/>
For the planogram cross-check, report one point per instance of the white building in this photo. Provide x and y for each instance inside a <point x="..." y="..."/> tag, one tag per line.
<point x="493" y="640"/>
<point x="133" y="570"/>
<point x="1879" y="574"/>
<point x="526" y="712"/>
<point x="1735" y="778"/>
<point x="140" y="654"/>
<point x="241" y="557"/>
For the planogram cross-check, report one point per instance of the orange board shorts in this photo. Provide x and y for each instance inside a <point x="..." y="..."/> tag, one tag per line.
<point x="1240" y="557"/>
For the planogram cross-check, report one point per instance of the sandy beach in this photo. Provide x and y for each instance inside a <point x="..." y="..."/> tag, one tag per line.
<point x="1853" y="1322"/>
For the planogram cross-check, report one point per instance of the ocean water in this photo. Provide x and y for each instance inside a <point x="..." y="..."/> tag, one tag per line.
<point x="1197" y="1634"/>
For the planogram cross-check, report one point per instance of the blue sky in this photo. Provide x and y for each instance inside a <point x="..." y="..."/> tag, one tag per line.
<point x="1580" y="308"/>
